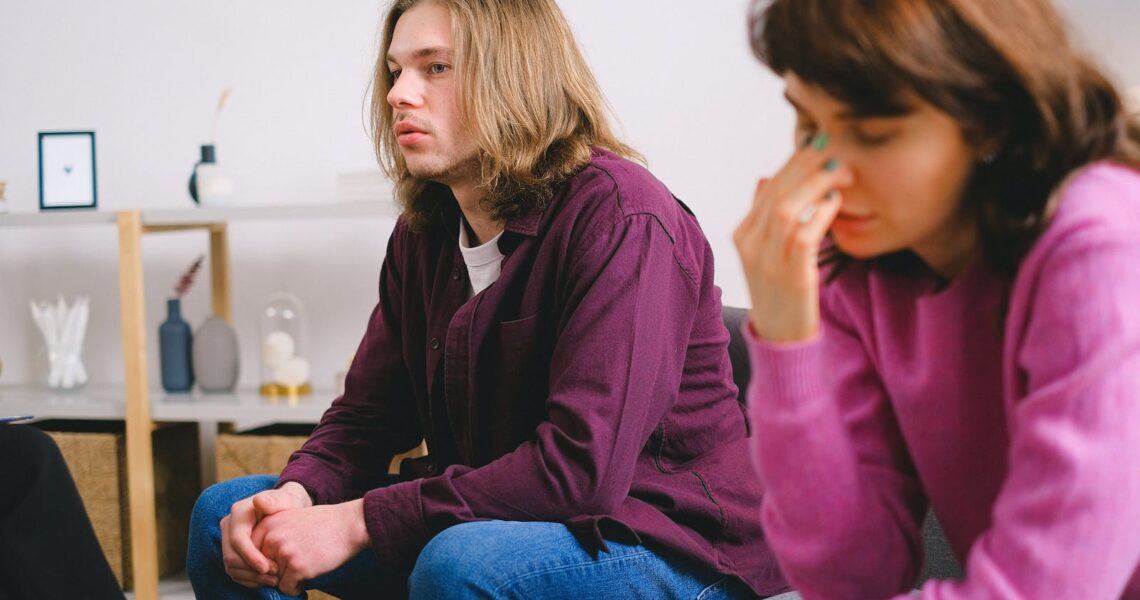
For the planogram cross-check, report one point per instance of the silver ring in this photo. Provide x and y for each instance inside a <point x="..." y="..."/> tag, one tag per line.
<point x="806" y="214"/>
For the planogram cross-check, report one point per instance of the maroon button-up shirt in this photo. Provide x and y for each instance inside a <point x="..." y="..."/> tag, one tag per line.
<point x="589" y="385"/>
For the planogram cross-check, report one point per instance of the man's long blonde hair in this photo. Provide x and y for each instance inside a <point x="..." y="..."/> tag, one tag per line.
<point x="525" y="94"/>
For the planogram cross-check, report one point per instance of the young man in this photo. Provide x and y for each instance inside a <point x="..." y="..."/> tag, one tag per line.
<point x="547" y="321"/>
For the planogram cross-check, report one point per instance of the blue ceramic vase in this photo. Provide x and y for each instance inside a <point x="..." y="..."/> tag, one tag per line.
<point x="174" y="347"/>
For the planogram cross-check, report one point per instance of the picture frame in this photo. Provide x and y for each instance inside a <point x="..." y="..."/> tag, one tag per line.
<point x="67" y="170"/>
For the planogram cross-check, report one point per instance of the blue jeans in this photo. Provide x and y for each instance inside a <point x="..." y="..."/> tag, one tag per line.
<point x="485" y="559"/>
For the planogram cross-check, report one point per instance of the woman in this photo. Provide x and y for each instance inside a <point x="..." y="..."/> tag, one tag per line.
<point x="945" y="279"/>
<point x="47" y="547"/>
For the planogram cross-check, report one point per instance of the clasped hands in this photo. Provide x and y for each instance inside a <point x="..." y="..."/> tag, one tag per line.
<point x="277" y="538"/>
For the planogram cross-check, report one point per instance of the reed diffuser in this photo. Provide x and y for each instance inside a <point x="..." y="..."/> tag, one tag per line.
<point x="209" y="183"/>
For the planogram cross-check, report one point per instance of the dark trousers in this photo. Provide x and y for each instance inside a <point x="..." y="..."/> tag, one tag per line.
<point x="47" y="546"/>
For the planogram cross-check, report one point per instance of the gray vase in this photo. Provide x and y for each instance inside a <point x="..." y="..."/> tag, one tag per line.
<point x="216" y="357"/>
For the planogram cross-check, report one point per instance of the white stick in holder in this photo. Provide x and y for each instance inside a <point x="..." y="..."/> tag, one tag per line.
<point x="64" y="328"/>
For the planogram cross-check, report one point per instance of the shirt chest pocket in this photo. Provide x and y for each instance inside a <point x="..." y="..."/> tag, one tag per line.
<point x="515" y="402"/>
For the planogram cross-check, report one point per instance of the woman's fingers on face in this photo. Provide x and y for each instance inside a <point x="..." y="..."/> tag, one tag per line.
<point x="805" y="162"/>
<point x="802" y="206"/>
<point x="749" y="225"/>
<point x="808" y="159"/>
<point x="788" y="201"/>
<point x="817" y="227"/>
<point x="757" y="207"/>
<point x="792" y="229"/>
<point x="804" y="244"/>
<point x="810" y="175"/>
<point x="760" y="185"/>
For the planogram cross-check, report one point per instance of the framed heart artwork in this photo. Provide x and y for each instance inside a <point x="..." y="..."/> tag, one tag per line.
<point x="67" y="169"/>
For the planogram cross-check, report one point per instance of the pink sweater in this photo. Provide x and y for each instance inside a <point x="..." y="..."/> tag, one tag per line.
<point x="1024" y="437"/>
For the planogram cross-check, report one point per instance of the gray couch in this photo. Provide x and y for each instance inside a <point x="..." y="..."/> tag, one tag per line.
<point x="939" y="562"/>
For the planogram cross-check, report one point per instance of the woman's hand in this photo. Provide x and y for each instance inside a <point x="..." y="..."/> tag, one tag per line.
<point x="779" y="241"/>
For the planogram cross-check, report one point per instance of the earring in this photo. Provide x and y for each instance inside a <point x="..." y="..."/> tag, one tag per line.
<point x="989" y="158"/>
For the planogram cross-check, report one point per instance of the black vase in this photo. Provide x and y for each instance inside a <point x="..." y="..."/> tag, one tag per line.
<point x="174" y="347"/>
<point x="207" y="151"/>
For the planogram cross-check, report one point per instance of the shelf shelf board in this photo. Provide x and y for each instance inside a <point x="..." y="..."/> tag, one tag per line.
<point x="57" y="218"/>
<point x="331" y="210"/>
<point x="265" y="213"/>
<point x="107" y="403"/>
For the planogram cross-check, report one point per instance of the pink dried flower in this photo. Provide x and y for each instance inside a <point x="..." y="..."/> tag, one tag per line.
<point x="187" y="278"/>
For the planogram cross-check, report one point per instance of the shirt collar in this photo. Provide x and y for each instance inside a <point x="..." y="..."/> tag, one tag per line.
<point x="526" y="224"/>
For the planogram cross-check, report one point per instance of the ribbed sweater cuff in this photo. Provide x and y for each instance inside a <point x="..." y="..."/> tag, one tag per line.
<point x="785" y="375"/>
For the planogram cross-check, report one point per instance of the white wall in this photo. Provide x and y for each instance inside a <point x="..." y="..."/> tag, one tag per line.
<point x="145" y="76"/>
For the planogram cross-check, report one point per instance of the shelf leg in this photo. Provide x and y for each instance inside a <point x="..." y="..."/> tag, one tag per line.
<point x="221" y="305"/>
<point x="140" y="457"/>
<point x="207" y="441"/>
<point x="220" y="272"/>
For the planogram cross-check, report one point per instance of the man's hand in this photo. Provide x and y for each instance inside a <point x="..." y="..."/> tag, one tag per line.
<point x="244" y="562"/>
<point x="308" y="543"/>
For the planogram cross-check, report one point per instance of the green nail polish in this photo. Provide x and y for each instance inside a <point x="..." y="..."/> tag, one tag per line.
<point x="821" y="141"/>
<point x="831" y="165"/>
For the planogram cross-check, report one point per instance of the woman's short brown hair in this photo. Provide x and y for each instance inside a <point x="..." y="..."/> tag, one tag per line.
<point x="1003" y="69"/>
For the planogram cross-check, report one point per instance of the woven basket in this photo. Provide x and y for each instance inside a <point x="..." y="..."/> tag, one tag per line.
<point x="261" y="451"/>
<point x="95" y="454"/>
<point x="266" y="451"/>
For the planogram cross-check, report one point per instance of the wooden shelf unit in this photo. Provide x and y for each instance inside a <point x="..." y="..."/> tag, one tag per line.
<point x="134" y="402"/>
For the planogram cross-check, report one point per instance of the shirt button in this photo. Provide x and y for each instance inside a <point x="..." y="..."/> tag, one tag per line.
<point x="435" y="343"/>
<point x="455" y="274"/>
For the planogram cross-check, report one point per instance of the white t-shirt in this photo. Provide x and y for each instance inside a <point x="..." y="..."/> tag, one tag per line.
<point x="483" y="262"/>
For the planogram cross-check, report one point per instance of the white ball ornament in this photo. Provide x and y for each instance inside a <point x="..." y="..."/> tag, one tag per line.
<point x="294" y="372"/>
<point x="277" y="348"/>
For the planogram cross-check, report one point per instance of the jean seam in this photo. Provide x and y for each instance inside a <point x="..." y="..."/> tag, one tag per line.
<point x="704" y="595"/>
<point x="275" y="594"/>
<point x="639" y="555"/>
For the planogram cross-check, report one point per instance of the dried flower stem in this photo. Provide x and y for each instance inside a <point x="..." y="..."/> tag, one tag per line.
<point x="218" y="114"/>
<point x="187" y="278"/>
